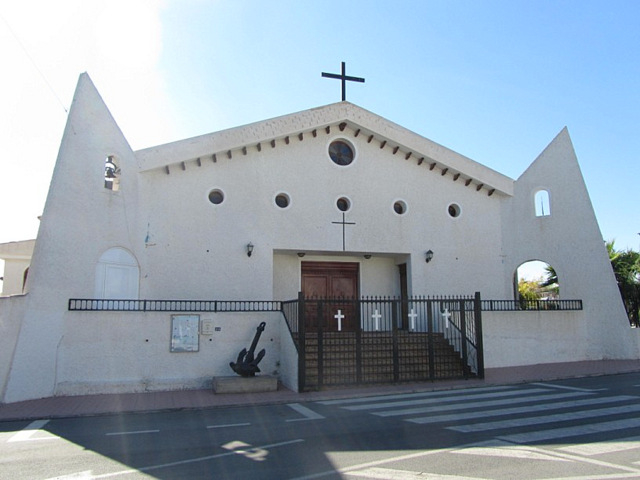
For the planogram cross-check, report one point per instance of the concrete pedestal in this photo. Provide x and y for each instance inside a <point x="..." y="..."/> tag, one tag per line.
<point x="237" y="384"/>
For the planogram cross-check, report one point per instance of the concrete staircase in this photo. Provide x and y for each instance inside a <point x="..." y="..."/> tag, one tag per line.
<point x="340" y="353"/>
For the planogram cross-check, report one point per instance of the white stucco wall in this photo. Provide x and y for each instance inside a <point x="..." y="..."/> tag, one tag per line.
<point x="11" y="313"/>
<point x="211" y="239"/>
<point x="530" y="338"/>
<point x="103" y="352"/>
<point x="288" y="367"/>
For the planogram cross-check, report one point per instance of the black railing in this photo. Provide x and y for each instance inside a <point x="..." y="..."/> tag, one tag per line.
<point x="103" y="305"/>
<point x="290" y="308"/>
<point x="530" y="305"/>
<point x="291" y="312"/>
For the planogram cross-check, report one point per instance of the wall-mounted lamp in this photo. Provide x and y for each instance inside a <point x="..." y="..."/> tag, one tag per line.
<point x="428" y="256"/>
<point x="249" y="249"/>
<point x="301" y="254"/>
<point x="367" y="256"/>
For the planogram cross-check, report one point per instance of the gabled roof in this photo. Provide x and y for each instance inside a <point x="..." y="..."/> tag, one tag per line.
<point x="343" y="116"/>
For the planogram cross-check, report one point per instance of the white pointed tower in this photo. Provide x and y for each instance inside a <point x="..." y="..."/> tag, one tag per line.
<point x="84" y="215"/>
<point x="551" y="218"/>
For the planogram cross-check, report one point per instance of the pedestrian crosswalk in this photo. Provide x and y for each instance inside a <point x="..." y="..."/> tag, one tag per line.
<point x="523" y="414"/>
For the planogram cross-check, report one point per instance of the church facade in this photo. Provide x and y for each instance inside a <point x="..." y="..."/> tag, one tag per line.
<point x="333" y="201"/>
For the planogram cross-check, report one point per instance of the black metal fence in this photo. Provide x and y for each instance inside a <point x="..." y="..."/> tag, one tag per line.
<point x="530" y="305"/>
<point x="104" y="305"/>
<point x="384" y="340"/>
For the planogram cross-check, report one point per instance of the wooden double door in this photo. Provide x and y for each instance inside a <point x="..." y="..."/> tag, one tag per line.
<point x="333" y="288"/>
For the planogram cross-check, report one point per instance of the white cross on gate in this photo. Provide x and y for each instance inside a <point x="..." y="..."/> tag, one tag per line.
<point x="412" y="319"/>
<point x="376" y="316"/>
<point x="446" y="315"/>
<point x="339" y="316"/>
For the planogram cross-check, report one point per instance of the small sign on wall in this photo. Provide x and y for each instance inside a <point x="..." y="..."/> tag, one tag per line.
<point x="206" y="327"/>
<point x="184" y="333"/>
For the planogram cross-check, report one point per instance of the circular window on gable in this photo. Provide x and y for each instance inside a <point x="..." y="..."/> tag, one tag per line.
<point x="216" y="197"/>
<point x="343" y="204"/>
<point x="454" y="210"/>
<point x="400" y="207"/>
<point x="341" y="152"/>
<point x="282" y="200"/>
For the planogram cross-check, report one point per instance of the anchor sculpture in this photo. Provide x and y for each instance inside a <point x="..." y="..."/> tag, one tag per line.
<point x="246" y="365"/>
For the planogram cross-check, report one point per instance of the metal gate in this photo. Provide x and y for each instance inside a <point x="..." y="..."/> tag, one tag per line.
<point x="440" y="338"/>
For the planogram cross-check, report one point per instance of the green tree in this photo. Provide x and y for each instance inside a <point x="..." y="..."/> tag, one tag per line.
<point x="626" y="268"/>
<point x="528" y="294"/>
<point x="550" y="283"/>
<point x="528" y="290"/>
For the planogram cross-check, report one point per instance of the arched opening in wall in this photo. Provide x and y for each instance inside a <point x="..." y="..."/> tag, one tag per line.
<point x="542" y="203"/>
<point x="24" y="278"/>
<point x="111" y="174"/>
<point x="535" y="281"/>
<point x="117" y="275"/>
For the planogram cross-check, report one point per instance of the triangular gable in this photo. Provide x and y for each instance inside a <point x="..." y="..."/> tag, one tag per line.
<point x="338" y="117"/>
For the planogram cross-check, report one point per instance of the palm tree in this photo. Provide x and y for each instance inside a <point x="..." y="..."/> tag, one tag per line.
<point x="550" y="283"/>
<point x="626" y="268"/>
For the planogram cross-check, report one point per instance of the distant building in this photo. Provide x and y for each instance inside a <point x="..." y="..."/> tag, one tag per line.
<point x="17" y="257"/>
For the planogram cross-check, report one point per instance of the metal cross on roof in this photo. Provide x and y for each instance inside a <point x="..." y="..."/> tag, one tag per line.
<point x="344" y="78"/>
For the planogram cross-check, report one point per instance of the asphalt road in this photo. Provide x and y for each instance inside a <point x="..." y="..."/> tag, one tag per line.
<point x="574" y="429"/>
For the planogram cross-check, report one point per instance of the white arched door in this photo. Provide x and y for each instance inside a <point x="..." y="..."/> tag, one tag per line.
<point x="117" y="275"/>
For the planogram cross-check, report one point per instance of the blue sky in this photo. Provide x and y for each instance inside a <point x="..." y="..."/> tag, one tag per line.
<point x="493" y="80"/>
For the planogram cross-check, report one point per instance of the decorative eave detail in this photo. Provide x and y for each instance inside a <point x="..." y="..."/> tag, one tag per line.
<point x="343" y="118"/>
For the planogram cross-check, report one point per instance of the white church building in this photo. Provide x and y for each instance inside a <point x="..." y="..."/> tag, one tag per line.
<point x="208" y="236"/>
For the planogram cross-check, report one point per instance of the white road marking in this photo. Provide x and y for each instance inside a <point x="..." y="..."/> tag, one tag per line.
<point x="443" y="393"/>
<point x="26" y="434"/>
<point x="579" y="430"/>
<point x="254" y="453"/>
<point x="306" y="412"/>
<point x="612" y="476"/>
<point x="454" y="407"/>
<point x="189" y="460"/>
<point x="86" y="475"/>
<point x="575" y="389"/>
<point x="510" y="411"/>
<point x="511" y="452"/>
<point x="228" y="425"/>
<point x="497" y="443"/>
<point x="137" y="432"/>
<point x="374" y="463"/>
<point x="459" y="398"/>
<point x="599" y="448"/>
<point x="558" y="417"/>
<point x="392" y="474"/>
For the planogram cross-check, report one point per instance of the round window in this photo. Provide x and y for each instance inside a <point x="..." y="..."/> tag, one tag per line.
<point x="282" y="200"/>
<point x="454" y="210"/>
<point x="400" y="207"/>
<point x="216" y="197"/>
<point x="341" y="152"/>
<point x="343" y="204"/>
